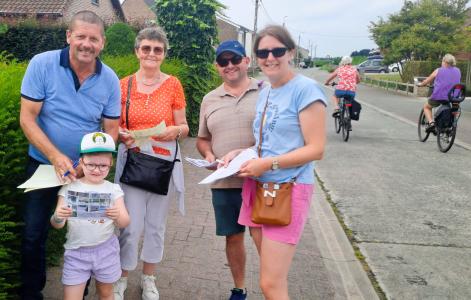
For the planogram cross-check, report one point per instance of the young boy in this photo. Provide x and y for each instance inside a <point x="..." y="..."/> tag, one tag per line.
<point x="93" y="207"/>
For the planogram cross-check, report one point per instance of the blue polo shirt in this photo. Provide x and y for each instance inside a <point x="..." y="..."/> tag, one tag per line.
<point x="69" y="110"/>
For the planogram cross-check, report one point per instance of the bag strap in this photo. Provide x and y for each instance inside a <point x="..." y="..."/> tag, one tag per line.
<point x="259" y="148"/>
<point x="128" y="103"/>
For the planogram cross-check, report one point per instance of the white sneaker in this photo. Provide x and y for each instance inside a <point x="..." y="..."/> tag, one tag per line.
<point x="119" y="287"/>
<point x="149" y="290"/>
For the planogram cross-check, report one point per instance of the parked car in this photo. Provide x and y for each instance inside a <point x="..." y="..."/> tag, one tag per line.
<point x="396" y="67"/>
<point x="372" y="66"/>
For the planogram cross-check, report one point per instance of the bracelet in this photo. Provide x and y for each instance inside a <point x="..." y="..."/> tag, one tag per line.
<point x="179" y="133"/>
<point x="57" y="220"/>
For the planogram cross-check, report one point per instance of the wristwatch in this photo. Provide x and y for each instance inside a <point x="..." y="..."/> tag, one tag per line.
<point x="275" y="165"/>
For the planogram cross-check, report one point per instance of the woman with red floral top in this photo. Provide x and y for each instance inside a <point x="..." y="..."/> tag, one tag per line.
<point x="154" y="97"/>
<point x="348" y="78"/>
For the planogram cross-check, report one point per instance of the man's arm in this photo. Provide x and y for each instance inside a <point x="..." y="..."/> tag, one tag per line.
<point x="204" y="147"/>
<point x="111" y="126"/>
<point x="29" y="111"/>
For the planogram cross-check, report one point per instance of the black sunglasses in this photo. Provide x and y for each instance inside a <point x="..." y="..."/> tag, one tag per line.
<point x="223" y="62"/>
<point x="157" y="50"/>
<point x="277" y="52"/>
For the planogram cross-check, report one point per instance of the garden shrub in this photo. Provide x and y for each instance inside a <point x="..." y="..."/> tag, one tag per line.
<point x="119" y="39"/>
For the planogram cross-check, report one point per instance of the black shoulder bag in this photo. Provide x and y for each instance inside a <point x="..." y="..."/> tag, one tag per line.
<point x="145" y="171"/>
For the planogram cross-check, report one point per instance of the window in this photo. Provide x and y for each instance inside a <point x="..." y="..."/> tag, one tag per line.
<point x="96" y="2"/>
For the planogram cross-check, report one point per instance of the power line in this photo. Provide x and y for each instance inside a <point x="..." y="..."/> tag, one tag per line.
<point x="266" y="12"/>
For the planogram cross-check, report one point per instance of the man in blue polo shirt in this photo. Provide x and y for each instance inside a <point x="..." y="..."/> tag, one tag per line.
<point x="65" y="94"/>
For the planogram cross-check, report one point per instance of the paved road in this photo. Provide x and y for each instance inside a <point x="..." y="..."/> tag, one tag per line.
<point x="406" y="203"/>
<point x="193" y="267"/>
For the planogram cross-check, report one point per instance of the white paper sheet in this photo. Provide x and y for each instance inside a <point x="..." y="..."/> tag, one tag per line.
<point x="202" y="163"/>
<point x="44" y="177"/>
<point x="232" y="168"/>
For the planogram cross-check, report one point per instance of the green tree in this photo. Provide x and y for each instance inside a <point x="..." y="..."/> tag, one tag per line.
<point x="192" y="32"/>
<point x="119" y="39"/>
<point x="422" y="30"/>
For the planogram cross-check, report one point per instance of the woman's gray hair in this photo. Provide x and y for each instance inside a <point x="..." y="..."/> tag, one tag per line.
<point x="346" y="60"/>
<point x="155" y="33"/>
<point x="449" y="59"/>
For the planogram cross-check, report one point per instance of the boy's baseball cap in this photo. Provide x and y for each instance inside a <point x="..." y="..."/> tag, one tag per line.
<point x="230" y="46"/>
<point x="97" y="142"/>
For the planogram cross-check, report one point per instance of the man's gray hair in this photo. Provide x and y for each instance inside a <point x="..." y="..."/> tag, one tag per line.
<point x="89" y="17"/>
<point x="449" y="59"/>
<point x="155" y="33"/>
<point x="346" y="60"/>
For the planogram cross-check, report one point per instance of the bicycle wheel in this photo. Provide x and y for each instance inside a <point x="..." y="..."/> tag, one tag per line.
<point x="445" y="138"/>
<point x="422" y="126"/>
<point x="338" y="126"/>
<point x="346" y="124"/>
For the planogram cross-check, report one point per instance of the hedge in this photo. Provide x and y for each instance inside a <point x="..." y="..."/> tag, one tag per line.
<point x="413" y="69"/>
<point x="27" y="39"/>
<point x="13" y="154"/>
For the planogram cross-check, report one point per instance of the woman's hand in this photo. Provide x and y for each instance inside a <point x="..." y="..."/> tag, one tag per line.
<point x="210" y="158"/>
<point x="255" y="167"/>
<point x="228" y="157"/>
<point x="125" y="137"/>
<point x="170" y="134"/>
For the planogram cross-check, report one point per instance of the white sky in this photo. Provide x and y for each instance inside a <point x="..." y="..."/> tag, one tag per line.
<point x="337" y="27"/>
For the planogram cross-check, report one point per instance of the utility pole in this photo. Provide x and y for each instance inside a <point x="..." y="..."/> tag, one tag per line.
<point x="298" y="52"/>
<point x="254" y="35"/>
<point x="256" y="16"/>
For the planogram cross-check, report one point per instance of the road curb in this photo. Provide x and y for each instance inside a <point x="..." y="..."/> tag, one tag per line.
<point x="346" y="273"/>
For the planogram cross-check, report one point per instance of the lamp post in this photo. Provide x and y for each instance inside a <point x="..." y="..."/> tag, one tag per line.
<point x="284" y="21"/>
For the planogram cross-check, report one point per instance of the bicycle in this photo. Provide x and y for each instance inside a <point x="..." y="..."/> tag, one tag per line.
<point x="343" y="120"/>
<point x="446" y="118"/>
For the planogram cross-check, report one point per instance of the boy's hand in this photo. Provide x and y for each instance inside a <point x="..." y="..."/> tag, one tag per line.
<point x="112" y="213"/>
<point x="63" y="212"/>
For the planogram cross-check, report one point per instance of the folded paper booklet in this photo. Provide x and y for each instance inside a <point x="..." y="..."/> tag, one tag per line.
<point x="201" y="163"/>
<point x="44" y="177"/>
<point x="232" y="168"/>
<point x="147" y="133"/>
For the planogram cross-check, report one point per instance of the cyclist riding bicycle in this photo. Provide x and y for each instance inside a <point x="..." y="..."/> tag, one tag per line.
<point x="348" y="78"/>
<point x="445" y="78"/>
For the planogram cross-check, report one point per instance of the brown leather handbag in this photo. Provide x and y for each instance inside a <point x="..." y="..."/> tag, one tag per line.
<point x="272" y="203"/>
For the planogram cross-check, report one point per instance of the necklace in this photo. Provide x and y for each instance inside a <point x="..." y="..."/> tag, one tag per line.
<point x="152" y="83"/>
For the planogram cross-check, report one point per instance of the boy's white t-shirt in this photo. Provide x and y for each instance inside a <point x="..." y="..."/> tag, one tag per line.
<point x="89" y="232"/>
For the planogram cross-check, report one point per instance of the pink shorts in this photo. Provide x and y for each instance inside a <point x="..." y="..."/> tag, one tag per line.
<point x="300" y="203"/>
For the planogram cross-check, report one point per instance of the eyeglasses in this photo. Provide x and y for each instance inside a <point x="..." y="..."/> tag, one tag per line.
<point x="277" y="52"/>
<point x="92" y="167"/>
<point x="157" y="50"/>
<point x="223" y="62"/>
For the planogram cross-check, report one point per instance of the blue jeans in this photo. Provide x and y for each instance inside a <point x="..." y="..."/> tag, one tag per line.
<point x="37" y="210"/>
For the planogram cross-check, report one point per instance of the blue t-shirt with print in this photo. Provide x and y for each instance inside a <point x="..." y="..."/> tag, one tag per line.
<point x="282" y="129"/>
<point x="69" y="110"/>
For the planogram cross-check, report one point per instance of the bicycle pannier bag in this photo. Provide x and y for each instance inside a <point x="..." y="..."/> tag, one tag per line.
<point x="272" y="204"/>
<point x="355" y="110"/>
<point x="443" y="117"/>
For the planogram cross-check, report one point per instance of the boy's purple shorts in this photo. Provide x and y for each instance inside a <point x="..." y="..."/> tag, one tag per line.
<point x="101" y="261"/>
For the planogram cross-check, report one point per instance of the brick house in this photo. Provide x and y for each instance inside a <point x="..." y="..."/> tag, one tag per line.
<point x="228" y="30"/>
<point x="139" y="12"/>
<point x="58" y="11"/>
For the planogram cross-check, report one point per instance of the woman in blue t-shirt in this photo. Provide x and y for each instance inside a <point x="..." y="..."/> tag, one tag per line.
<point x="293" y="136"/>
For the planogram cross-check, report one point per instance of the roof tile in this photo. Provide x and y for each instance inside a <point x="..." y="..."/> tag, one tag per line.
<point x="32" y="6"/>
